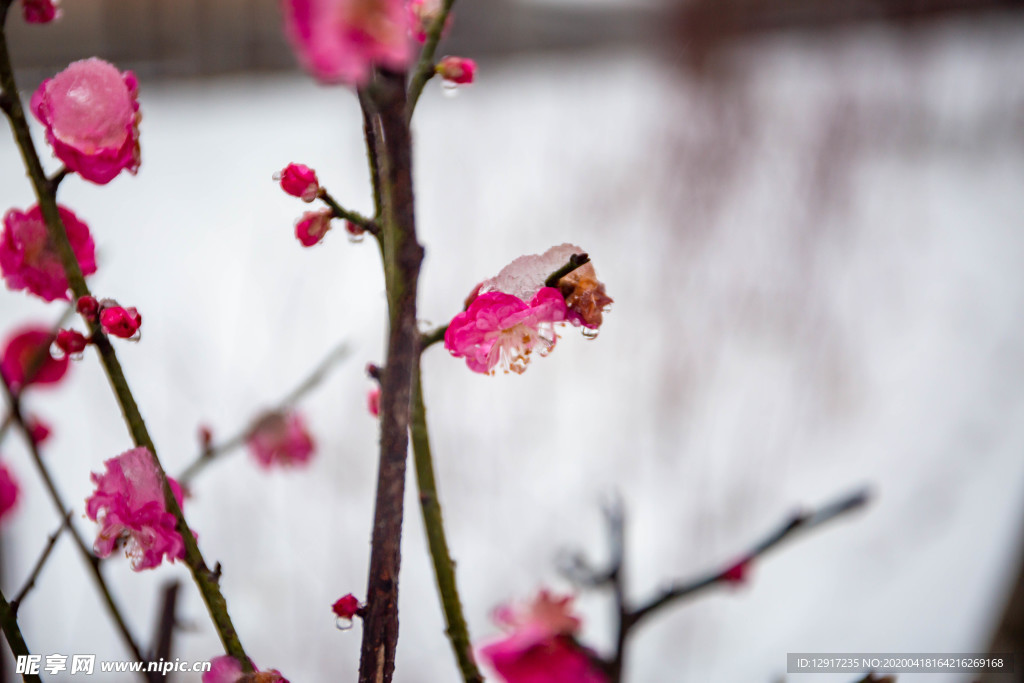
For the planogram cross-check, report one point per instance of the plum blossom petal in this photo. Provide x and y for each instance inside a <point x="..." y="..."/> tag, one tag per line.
<point x="26" y="358"/>
<point x="129" y="504"/>
<point x="280" y="439"/>
<point x="91" y="114"/>
<point x="9" y="492"/>
<point x="29" y="258"/>
<point x="40" y="11"/>
<point x="226" y="669"/>
<point x="341" y="41"/>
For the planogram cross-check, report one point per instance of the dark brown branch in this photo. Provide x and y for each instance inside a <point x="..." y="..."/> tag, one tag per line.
<point x="30" y="582"/>
<point x="402" y="258"/>
<point x="166" y="624"/>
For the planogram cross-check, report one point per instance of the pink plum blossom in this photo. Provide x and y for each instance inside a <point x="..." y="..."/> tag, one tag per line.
<point x="313" y="225"/>
<point x="341" y="41"/>
<point x="91" y="114"/>
<point x="40" y="11"/>
<point x="456" y="70"/>
<point x="280" y="439"/>
<point x="500" y="330"/>
<point x="299" y="181"/>
<point x="120" y="322"/>
<point x="129" y="504"/>
<point x="226" y="669"/>
<point x="540" y="646"/>
<point x="26" y="359"/>
<point x="9" y="492"/>
<point x="29" y="258"/>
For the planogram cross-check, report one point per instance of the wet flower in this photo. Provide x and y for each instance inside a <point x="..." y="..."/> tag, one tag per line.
<point x="540" y="646"/>
<point x="91" y="114"/>
<point x="71" y="342"/>
<point x="346" y="607"/>
<point x="313" y="225"/>
<point x="40" y="11"/>
<point x="129" y="504"/>
<point x="26" y="359"/>
<point x="226" y="669"/>
<point x="9" y="492"/>
<point x="280" y="439"/>
<point x="299" y="181"/>
<point x="120" y="322"/>
<point x="456" y="70"/>
<point x="340" y="41"/>
<point x="29" y="259"/>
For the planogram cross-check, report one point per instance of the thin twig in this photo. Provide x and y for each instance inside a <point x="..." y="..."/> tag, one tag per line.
<point x="575" y="261"/>
<point x="9" y="623"/>
<point x="433" y="523"/>
<point x="340" y="211"/>
<point x="424" y="70"/>
<point x="167" y="621"/>
<point x="311" y="382"/>
<point x="428" y="339"/>
<point x="208" y="587"/>
<point x="30" y="582"/>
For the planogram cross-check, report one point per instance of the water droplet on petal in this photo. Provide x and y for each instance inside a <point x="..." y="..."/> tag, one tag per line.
<point x="590" y="334"/>
<point x="356" y="239"/>
<point x="450" y="89"/>
<point x="56" y="352"/>
<point x="343" y="624"/>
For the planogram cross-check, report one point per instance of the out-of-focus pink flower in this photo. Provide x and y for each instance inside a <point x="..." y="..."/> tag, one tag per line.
<point x="373" y="401"/>
<point x="9" y="492"/>
<point x="737" y="573"/>
<point x="456" y="70"/>
<point x="540" y="645"/>
<point x="38" y="429"/>
<point x="422" y="13"/>
<point x="29" y="259"/>
<point x="299" y="181"/>
<point x="346" y="606"/>
<point x="280" y="439"/>
<point x="340" y="41"/>
<point x="500" y="330"/>
<point x="313" y="225"/>
<point x="91" y="114"/>
<point x="71" y="342"/>
<point x="40" y="11"/>
<point x="120" y="322"/>
<point x="130" y="507"/>
<point x="26" y="358"/>
<point x="87" y="307"/>
<point x="226" y="669"/>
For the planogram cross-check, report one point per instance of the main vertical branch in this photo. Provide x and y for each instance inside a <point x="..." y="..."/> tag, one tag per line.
<point x="402" y="258"/>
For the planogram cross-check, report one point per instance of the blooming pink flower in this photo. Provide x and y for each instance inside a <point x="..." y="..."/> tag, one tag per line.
<point x="29" y="259"/>
<point x="299" y="181"/>
<point x="346" y="606"/>
<point x="71" y="342"/>
<point x="9" y="491"/>
<point x="40" y="11"/>
<point x="340" y="41"/>
<point x="422" y="14"/>
<point x="26" y="359"/>
<point x="91" y="114"/>
<point x="129" y="504"/>
<point x="540" y="646"/>
<point x="313" y="225"/>
<point x="373" y="401"/>
<point x="501" y="330"/>
<point x="457" y="70"/>
<point x="280" y="439"/>
<point x="120" y="322"/>
<point x="226" y="669"/>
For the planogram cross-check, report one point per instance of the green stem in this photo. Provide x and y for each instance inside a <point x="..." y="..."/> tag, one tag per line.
<point x="340" y="211"/>
<point x="424" y="70"/>
<point x="9" y="623"/>
<point x="433" y="523"/>
<point x="205" y="580"/>
<point x="428" y="339"/>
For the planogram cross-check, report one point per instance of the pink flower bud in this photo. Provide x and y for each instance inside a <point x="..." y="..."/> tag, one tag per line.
<point x="456" y="70"/>
<point x="354" y="229"/>
<point x="71" y="342"/>
<point x="91" y="114"/>
<point x="120" y="322"/>
<point x="299" y="181"/>
<point x="87" y="307"/>
<point x="38" y="430"/>
<point x="205" y="436"/>
<point x="373" y="401"/>
<point x="225" y="669"/>
<point x="29" y="259"/>
<point x="340" y="41"/>
<point x="26" y="359"/>
<point x="40" y="11"/>
<point x="346" y="607"/>
<point x="313" y="225"/>
<point x="280" y="439"/>
<point x="737" y="573"/>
